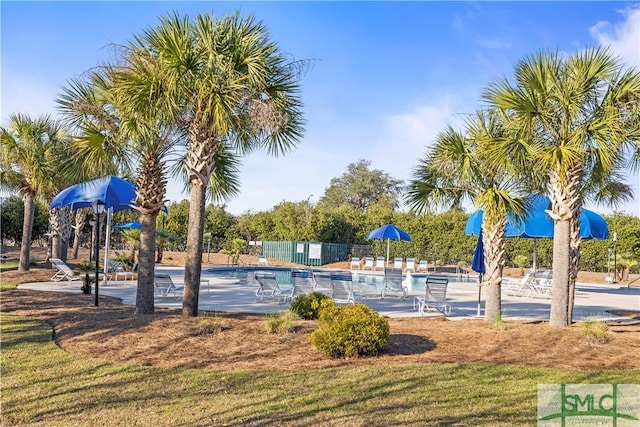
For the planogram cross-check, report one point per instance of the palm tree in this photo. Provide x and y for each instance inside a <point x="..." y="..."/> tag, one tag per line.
<point x="576" y="114"/>
<point x="457" y="168"/>
<point x="27" y="148"/>
<point x="224" y="83"/>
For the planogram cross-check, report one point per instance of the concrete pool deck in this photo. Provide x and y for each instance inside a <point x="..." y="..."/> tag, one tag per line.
<point x="229" y="295"/>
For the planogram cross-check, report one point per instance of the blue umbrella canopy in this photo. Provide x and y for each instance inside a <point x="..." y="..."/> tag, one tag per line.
<point x="477" y="263"/>
<point x="538" y="224"/>
<point x="115" y="192"/>
<point x="389" y="232"/>
<point x="129" y="225"/>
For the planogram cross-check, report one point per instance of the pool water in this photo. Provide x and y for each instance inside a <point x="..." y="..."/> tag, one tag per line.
<point x="283" y="276"/>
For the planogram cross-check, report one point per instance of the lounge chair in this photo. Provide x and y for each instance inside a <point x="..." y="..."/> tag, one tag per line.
<point x="302" y="282"/>
<point x="355" y="263"/>
<point x="322" y="282"/>
<point x="342" y="287"/>
<point x="268" y="287"/>
<point x="397" y="263"/>
<point x="379" y="263"/>
<point x="164" y="286"/>
<point x="368" y="263"/>
<point x="393" y="282"/>
<point x="262" y="260"/>
<point x="116" y="270"/>
<point x="63" y="272"/>
<point x="411" y="265"/>
<point x="435" y="296"/>
<point x="541" y="284"/>
<point x="522" y="286"/>
<point x="423" y="265"/>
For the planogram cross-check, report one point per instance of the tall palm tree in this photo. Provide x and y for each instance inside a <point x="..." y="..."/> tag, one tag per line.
<point x="458" y="168"/>
<point x="573" y="111"/>
<point x="223" y="82"/>
<point x="27" y="148"/>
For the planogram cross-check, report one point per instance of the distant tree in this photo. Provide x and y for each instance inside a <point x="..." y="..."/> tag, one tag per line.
<point x="11" y="220"/>
<point x="362" y="187"/>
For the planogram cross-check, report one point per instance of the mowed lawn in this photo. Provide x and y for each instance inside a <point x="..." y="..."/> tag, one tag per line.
<point x="43" y="385"/>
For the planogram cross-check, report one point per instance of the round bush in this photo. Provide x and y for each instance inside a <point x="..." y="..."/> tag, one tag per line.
<point x="351" y="331"/>
<point x="309" y="306"/>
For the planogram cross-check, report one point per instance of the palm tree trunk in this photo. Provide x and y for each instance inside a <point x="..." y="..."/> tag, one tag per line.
<point x="494" y="243"/>
<point x="574" y="265"/>
<point x="146" y="265"/>
<point x="54" y="230"/>
<point x="193" y="265"/>
<point x="81" y="217"/>
<point x="560" y="284"/>
<point x="65" y="231"/>
<point x="28" y="199"/>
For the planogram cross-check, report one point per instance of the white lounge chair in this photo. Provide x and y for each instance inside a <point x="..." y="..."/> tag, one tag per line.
<point x="522" y="286"/>
<point x="268" y="287"/>
<point x="355" y="263"/>
<point x="379" y="263"/>
<point x="435" y="296"/>
<point x="423" y="265"/>
<point x="63" y="272"/>
<point x="368" y="263"/>
<point x="262" y="260"/>
<point x="342" y="287"/>
<point x="164" y="286"/>
<point x="302" y="282"/>
<point x="393" y="282"/>
<point x="411" y="265"/>
<point x="322" y="282"/>
<point x="397" y="263"/>
<point x="541" y="284"/>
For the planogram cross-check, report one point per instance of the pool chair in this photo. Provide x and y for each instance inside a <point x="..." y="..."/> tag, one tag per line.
<point x="522" y="286"/>
<point x="397" y="263"/>
<point x="379" y="263"/>
<point x="302" y="282"/>
<point x="368" y="263"/>
<point x="393" y="282"/>
<point x="322" y="282"/>
<point x="63" y="272"/>
<point x="423" y="265"/>
<point x="342" y="287"/>
<point x="435" y="296"/>
<point x="268" y="288"/>
<point x="262" y="260"/>
<point x="163" y="286"/>
<point x="411" y="265"/>
<point x="355" y="263"/>
<point x="541" y="285"/>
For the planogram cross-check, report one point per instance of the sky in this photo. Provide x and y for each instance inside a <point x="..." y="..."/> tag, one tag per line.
<point x="386" y="77"/>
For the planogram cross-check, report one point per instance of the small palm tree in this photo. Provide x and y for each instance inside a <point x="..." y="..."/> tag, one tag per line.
<point x="28" y="148"/>
<point x="458" y="167"/>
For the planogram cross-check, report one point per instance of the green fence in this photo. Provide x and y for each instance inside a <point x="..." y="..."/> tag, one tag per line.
<point x="306" y="253"/>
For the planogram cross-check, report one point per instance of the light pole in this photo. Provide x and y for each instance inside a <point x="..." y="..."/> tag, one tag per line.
<point x="435" y="255"/>
<point x="98" y="208"/>
<point x="615" y="258"/>
<point x="609" y="263"/>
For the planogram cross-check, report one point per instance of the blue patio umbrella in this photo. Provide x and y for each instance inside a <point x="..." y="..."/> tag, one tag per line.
<point x="389" y="232"/>
<point x="129" y="225"/>
<point x="538" y="224"/>
<point x="478" y="265"/>
<point x="115" y="192"/>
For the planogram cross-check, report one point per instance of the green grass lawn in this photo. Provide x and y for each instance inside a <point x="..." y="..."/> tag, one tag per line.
<point x="43" y="385"/>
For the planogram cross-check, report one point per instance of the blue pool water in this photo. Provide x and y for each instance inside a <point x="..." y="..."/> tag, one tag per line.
<point x="283" y="276"/>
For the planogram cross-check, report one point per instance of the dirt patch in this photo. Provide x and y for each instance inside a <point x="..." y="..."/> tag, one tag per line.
<point x="166" y="339"/>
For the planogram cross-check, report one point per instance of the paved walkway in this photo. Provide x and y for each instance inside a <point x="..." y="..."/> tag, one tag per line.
<point x="228" y="295"/>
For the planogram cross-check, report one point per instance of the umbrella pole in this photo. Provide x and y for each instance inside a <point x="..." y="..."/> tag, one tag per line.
<point x="535" y="253"/>
<point x="479" y="292"/>
<point x="107" y="242"/>
<point x="388" y="240"/>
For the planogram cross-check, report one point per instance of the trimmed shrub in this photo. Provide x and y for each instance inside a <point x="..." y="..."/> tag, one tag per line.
<point x="352" y="330"/>
<point x="309" y="306"/>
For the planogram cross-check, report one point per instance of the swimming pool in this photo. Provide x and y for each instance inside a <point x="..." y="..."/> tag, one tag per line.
<point x="416" y="281"/>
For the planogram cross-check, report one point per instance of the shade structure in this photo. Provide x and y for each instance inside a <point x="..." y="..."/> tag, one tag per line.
<point x="129" y="225"/>
<point x="538" y="224"/>
<point x="389" y="232"/>
<point x="115" y="192"/>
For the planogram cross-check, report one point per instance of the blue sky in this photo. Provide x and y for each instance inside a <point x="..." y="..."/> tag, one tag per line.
<point x="386" y="76"/>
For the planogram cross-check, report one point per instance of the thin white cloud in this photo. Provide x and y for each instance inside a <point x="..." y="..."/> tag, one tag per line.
<point x="493" y="43"/>
<point x="623" y="37"/>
